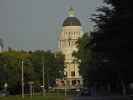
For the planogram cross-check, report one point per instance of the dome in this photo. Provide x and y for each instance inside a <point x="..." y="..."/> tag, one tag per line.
<point x="71" y="21"/>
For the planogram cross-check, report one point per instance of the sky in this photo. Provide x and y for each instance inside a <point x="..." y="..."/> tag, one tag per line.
<point x="35" y="24"/>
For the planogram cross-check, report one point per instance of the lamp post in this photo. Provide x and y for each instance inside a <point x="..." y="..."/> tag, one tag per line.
<point x="43" y="79"/>
<point x="31" y="88"/>
<point x="65" y="83"/>
<point x="5" y="87"/>
<point x="22" y="79"/>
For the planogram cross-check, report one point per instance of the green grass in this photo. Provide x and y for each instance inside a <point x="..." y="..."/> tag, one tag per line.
<point x="34" y="98"/>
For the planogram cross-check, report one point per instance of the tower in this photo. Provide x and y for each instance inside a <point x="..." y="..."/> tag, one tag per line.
<point x="71" y="32"/>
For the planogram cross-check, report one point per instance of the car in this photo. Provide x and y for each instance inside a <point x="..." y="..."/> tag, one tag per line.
<point x="84" y="92"/>
<point x="4" y="93"/>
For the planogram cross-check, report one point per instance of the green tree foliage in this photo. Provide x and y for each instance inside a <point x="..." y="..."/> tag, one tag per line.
<point x="83" y="56"/>
<point x="52" y="66"/>
<point x="112" y="42"/>
<point x="1" y="43"/>
<point x="106" y="58"/>
<point x="11" y="69"/>
<point x="10" y="65"/>
<point x="60" y="65"/>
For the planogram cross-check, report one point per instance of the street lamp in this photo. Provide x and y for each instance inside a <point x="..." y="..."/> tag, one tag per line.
<point x="43" y="79"/>
<point x="65" y="74"/>
<point x="31" y="88"/>
<point x="22" y="79"/>
<point x="5" y="87"/>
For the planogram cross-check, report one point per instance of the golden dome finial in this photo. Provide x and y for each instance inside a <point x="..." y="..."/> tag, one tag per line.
<point x="71" y="12"/>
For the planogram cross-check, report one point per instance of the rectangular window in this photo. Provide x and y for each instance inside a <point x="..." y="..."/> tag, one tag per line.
<point x="73" y="82"/>
<point x="72" y="73"/>
<point x="69" y="44"/>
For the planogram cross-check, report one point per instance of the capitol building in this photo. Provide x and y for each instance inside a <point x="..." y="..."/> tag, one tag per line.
<point x="71" y="32"/>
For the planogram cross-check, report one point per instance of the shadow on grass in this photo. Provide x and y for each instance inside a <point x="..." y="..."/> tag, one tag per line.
<point x="34" y="98"/>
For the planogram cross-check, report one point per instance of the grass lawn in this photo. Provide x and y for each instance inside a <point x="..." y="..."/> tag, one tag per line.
<point x="34" y="98"/>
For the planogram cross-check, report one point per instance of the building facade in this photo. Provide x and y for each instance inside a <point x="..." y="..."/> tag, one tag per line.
<point x="71" y="32"/>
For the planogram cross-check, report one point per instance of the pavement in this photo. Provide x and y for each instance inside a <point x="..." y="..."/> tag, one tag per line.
<point x="102" y="98"/>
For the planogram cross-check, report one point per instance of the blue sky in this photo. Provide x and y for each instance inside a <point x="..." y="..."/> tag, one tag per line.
<point x="35" y="24"/>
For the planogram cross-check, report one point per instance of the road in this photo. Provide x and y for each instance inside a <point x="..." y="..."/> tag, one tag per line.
<point x="104" y="98"/>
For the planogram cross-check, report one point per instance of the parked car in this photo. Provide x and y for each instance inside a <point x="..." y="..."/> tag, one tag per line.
<point x="4" y="93"/>
<point x="84" y="92"/>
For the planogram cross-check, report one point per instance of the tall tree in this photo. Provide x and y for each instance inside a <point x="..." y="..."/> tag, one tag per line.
<point x="112" y="40"/>
<point x="53" y="66"/>
<point x="33" y="62"/>
<point x="10" y="63"/>
<point x="83" y="56"/>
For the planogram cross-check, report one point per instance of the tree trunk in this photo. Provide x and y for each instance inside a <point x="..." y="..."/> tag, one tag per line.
<point x="123" y="88"/>
<point x="109" y="88"/>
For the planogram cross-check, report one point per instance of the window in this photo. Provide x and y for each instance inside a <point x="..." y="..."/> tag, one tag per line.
<point x="73" y="73"/>
<point x="69" y="34"/>
<point x="78" y="81"/>
<point x="73" y="82"/>
<point x="65" y="74"/>
<point x="69" y="44"/>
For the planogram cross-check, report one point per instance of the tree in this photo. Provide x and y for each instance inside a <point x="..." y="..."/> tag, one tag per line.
<point x="10" y="65"/>
<point x="83" y="56"/>
<point x="11" y="69"/>
<point x="53" y="65"/>
<point x="1" y="43"/>
<point x="60" y="63"/>
<point x="112" y="40"/>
